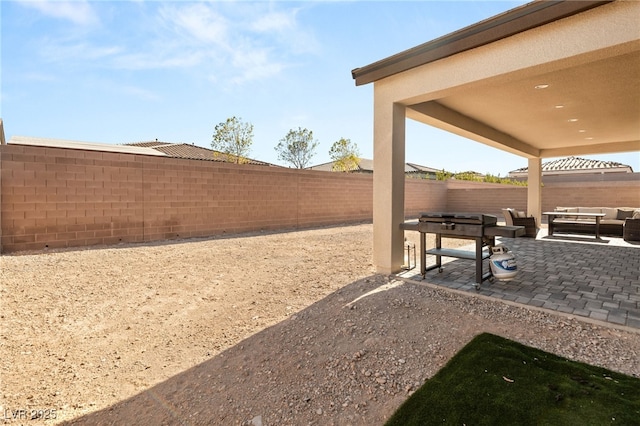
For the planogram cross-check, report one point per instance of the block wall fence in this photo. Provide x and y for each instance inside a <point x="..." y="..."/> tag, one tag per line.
<point x="55" y="197"/>
<point x="491" y="198"/>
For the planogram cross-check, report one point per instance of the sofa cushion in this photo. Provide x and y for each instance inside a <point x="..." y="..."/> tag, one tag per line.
<point x="567" y="210"/>
<point x="624" y="213"/>
<point x="520" y="214"/>
<point x="636" y="214"/>
<point x="590" y="209"/>
<point x="610" y="213"/>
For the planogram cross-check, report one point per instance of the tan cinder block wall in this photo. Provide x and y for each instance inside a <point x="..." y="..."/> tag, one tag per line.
<point x="52" y="197"/>
<point x="491" y="198"/>
<point x="424" y="195"/>
<point x="191" y="198"/>
<point x="484" y="197"/>
<point x="65" y="198"/>
<point x="329" y="198"/>
<point x="592" y="194"/>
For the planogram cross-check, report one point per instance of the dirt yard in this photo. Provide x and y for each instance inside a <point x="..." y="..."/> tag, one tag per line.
<point x="264" y="329"/>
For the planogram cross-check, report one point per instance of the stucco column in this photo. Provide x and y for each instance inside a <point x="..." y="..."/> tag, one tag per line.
<point x="534" y="189"/>
<point x="388" y="186"/>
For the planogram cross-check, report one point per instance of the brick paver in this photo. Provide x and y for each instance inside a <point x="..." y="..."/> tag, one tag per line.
<point x="594" y="279"/>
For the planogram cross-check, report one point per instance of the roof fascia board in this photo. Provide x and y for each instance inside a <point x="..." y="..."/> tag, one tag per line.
<point x="507" y="24"/>
<point x="86" y="146"/>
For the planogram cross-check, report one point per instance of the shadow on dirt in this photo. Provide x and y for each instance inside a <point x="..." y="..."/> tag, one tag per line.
<point x="290" y="373"/>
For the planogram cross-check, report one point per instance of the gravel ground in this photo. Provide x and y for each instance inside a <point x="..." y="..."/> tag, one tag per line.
<point x="271" y="329"/>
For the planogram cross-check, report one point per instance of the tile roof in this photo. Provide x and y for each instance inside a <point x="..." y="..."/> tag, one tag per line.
<point x="363" y="166"/>
<point x="190" y="151"/>
<point x="578" y="165"/>
<point x="422" y="169"/>
<point x="150" y="144"/>
<point x="156" y="148"/>
<point x="366" y="166"/>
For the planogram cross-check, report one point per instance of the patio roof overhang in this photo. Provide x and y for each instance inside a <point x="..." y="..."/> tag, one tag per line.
<point x="546" y="79"/>
<point x="480" y="82"/>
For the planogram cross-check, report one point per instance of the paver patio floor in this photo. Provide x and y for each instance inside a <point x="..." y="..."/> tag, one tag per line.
<point x="573" y="274"/>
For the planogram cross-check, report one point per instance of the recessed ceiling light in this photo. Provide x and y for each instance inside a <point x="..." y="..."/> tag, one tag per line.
<point x="588" y="139"/>
<point x="541" y="86"/>
<point x="572" y="120"/>
<point x="582" y="130"/>
<point x="559" y="106"/>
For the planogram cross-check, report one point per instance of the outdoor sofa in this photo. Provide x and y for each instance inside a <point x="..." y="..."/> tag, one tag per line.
<point x="617" y="221"/>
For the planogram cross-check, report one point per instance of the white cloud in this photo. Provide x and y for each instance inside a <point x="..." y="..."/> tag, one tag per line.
<point x="234" y="41"/>
<point x="274" y="21"/>
<point x="241" y="41"/>
<point x="198" y="21"/>
<point x="72" y="51"/>
<point x="140" y="93"/>
<point x="255" y="64"/>
<point x="79" y="12"/>
<point x="158" y="60"/>
<point x="284" y="29"/>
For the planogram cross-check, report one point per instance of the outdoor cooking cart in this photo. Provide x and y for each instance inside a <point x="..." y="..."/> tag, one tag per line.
<point x="480" y="227"/>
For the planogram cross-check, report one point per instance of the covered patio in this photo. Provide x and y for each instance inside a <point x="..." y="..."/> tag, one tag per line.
<point x="546" y="79"/>
<point x="596" y="280"/>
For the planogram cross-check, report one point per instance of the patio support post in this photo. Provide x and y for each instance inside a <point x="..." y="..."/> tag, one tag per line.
<point x="388" y="185"/>
<point x="534" y="189"/>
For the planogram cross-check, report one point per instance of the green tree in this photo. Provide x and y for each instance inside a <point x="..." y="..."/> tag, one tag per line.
<point x="443" y="175"/>
<point x="470" y="176"/>
<point x="345" y="155"/>
<point x="233" y="138"/>
<point x="297" y="148"/>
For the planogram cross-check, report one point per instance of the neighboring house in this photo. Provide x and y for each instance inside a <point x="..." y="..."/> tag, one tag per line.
<point x="155" y="148"/>
<point x="420" y="171"/>
<point x="574" y="166"/>
<point x="366" y="166"/>
<point x="87" y="146"/>
<point x="192" y="152"/>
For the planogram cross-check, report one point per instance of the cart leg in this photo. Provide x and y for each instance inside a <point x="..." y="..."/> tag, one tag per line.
<point x="478" y="262"/>
<point x="438" y="257"/>
<point x="423" y="254"/>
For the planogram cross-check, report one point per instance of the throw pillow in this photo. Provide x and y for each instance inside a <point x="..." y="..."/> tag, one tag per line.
<point x="636" y="214"/>
<point x="609" y="213"/>
<point x="521" y="214"/>
<point x="623" y="214"/>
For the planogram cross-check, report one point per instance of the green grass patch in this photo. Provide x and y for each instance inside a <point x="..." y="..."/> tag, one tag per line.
<point x="496" y="381"/>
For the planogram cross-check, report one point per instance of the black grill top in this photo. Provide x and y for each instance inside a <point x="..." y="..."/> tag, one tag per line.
<point x="468" y="218"/>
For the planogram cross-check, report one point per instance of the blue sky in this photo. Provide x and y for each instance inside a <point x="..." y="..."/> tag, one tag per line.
<point x="129" y="71"/>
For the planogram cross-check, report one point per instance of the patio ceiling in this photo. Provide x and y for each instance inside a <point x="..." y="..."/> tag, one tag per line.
<point x="590" y="102"/>
<point x="585" y="109"/>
